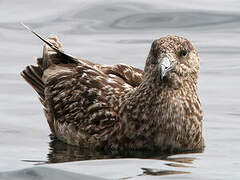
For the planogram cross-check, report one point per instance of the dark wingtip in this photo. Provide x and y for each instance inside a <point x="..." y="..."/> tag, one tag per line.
<point x="24" y="25"/>
<point x="67" y="56"/>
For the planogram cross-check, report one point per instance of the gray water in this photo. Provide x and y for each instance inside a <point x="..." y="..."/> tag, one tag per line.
<point x="110" y="32"/>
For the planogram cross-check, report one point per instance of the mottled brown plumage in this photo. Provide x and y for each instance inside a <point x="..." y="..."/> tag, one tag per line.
<point x="120" y="107"/>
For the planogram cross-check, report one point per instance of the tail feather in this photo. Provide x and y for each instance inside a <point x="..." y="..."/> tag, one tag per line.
<point x="52" y="54"/>
<point x="32" y="74"/>
<point x="40" y="62"/>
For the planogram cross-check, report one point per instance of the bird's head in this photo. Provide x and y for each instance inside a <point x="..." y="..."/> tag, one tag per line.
<point x="172" y="59"/>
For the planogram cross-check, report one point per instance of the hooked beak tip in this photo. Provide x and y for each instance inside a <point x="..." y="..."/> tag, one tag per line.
<point x="165" y="66"/>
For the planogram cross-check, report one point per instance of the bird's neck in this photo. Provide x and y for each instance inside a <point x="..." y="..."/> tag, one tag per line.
<point x="153" y="102"/>
<point x="158" y="108"/>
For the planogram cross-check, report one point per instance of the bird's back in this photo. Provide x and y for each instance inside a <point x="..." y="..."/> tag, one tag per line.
<point x="81" y="99"/>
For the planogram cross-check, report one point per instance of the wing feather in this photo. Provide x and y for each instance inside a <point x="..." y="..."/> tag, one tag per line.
<point x="129" y="74"/>
<point x="79" y="92"/>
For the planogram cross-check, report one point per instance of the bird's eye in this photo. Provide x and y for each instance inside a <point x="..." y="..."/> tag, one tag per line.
<point x="183" y="53"/>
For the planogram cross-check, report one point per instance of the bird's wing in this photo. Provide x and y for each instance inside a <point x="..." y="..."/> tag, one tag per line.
<point x="77" y="94"/>
<point x="78" y="91"/>
<point x="53" y="54"/>
<point x="131" y="75"/>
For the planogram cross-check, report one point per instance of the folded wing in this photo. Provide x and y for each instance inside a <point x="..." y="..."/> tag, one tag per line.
<point x="79" y="96"/>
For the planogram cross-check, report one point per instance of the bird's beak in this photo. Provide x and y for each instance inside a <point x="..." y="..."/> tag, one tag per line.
<point x="165" y="66"/>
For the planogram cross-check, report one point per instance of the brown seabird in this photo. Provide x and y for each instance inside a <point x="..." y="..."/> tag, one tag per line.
<point x="120" y="107"/>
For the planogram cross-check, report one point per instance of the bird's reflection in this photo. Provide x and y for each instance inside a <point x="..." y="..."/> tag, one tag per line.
<point x="60" y="152"/>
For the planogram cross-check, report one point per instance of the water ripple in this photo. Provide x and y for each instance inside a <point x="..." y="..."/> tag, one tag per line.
<point x="137" y="18"/>
<point x="129" y="17"/>
<point x="173" y="20"/>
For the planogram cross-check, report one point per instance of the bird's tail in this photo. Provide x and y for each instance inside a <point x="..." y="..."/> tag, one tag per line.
<point x="33" y="74"/>
<point x="52" y="54"/>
